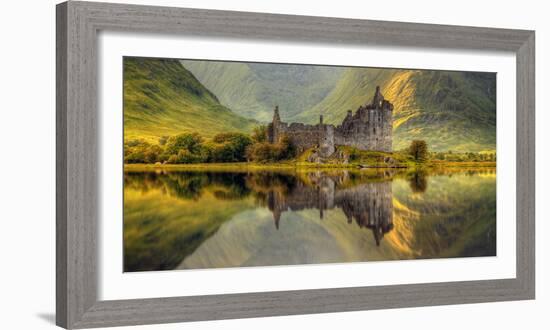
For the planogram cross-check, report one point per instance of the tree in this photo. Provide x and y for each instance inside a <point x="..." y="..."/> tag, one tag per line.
<point x="152" y="154"/>
<point x="261" y="152"/>
<point x="185" y="148"/>
<point x="187" y="141"/>
<point x="268" y="152"/>
<point x="419" y="150"/>
<point x="229" y="147"/>
<point x="163" y="139"/>
<point x="286" y="149"/>
<point x="259" y="134"/>
<point x="137" y="151"/>
<point x="186" y="157"/>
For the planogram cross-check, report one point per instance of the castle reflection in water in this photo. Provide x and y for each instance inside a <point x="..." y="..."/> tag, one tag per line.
<point x="368" y="204"/>
<point x="196" y="218"/>
<point x="365" y="199"/>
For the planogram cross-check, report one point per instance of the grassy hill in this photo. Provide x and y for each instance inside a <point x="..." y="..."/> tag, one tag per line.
<point x="162" y="98"/>
<point x="450" y="110"/>
<point x="253" y="89"/>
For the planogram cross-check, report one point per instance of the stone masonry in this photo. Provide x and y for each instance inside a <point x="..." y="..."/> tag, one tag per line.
<point x="370" y="128"/>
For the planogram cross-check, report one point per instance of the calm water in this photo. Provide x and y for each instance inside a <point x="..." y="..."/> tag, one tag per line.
<point x="210" y="219"/>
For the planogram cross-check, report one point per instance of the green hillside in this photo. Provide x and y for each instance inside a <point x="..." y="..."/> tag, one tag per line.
<point x="253" y="89"/>
<point x="450" y="110"/>
<point x="162" y="98"/>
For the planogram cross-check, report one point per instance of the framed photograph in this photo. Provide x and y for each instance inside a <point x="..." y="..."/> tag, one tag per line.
<point x="215" y="165"/>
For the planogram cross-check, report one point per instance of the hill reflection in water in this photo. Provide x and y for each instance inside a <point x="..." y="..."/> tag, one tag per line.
<point x="212" y="219"/>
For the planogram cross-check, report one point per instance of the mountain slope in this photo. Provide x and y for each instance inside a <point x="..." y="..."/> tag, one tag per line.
<point x="450" y="110"/>
<point x="253" y="89"/>
<point x="161" y="98"/>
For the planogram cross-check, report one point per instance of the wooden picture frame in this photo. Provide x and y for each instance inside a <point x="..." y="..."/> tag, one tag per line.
<point x="78" y="24"/>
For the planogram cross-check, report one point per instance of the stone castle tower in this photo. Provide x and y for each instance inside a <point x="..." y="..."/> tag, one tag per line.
<point x="370" y="128"/>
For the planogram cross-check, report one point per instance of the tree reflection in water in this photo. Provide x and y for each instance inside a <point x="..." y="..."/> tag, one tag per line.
<point x="168" y="215"/>
<point x="368" y="203"/>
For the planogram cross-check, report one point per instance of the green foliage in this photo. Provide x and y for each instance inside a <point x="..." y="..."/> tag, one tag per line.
<point x="137" y="151"/>
<point x="419" y="150"/>
<point x="259" y="133"/>
<point x="153" y="154"/>
<point x="451" y="156"/>
<point x="232" y="137"/>
<point x="190" y="142"/>
<point x="448" y="110"/>
<point x="285" y="148"/>
<point x="375" y="158"/>
<point x="189" y="148"/>
<point x="192" y="148"/>
<point x="186" y="148"/>
<point x="184" y="156"/>
<point x="265" y="152"/>
<point x="163" y="139"/>
<point x="261" y="152"/>
<point x="229" y="147"/>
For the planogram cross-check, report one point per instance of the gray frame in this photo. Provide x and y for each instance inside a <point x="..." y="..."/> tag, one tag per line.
<point x="77" y="187"/>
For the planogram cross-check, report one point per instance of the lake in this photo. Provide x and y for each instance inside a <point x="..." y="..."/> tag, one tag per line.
<point x="200" y="218"/>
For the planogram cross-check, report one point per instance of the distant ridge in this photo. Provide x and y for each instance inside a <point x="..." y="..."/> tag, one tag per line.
<point x="253" y="89"/>
<point x="450" y="110"/>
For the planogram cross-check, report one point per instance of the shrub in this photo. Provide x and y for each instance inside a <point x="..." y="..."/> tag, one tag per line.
<point x="261" y="152"/>
<point x="136" y="151"/>
<point x="187" y="141"/>
<point x="419" y="150"/>
<point x="285" y="148"/>
<point x="224" y="147"/>
<point x="186" y="157"/>
<point x="163" y="139"/>
<point x="229" y="147"/>
<point x="268" y="152"/>
<point x="259" y="134"/>
<point x="185" y="149"/>
<point x="152" y="154"/>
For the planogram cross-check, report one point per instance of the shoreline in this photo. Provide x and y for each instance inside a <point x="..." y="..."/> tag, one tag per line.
<point x="357" y="166"/>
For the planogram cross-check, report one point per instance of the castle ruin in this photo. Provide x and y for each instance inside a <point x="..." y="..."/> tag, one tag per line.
<point x="370" y="128"/>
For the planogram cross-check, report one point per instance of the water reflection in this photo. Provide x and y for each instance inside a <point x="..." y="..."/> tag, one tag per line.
<point x="202" y="219"/>
<point x="369" y="204"/>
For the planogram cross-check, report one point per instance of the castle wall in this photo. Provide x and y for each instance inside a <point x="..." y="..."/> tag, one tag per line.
<point x="326" y="140"/>
<point x="370" y="128"/>
<point x="303" y="136"/>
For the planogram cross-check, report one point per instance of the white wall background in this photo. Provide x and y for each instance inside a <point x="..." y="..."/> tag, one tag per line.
<point x="27" y="161"/>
